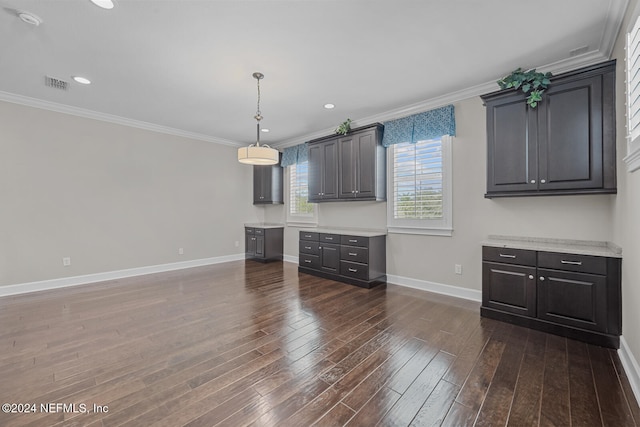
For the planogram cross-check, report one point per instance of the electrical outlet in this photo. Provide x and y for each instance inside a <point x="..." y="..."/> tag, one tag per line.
<point x="237" y="244"/>
<point x="458" y="268"/>
<point x="180" y="251"/>
<point x="66" y="261"/>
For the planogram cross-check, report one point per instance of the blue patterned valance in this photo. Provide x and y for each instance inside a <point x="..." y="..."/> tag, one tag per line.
<point x="420" y="127"/>
<point x="295" y="154"/>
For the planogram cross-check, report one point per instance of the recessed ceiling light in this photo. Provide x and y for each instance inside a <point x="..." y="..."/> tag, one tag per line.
<point x="105" y="4"/>
<point x="264" y="130"/>
<point x="329" y="106"/>
<point x="82" y="80"/>
<point x="29" y="17"/>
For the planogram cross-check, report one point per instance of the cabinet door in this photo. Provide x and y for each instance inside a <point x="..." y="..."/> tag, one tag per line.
<point x="330" y="257"/>
<point x="509" y="288"/>
<point x="570" y="135"/>
<point x="316" y="165"/>
<point x="573" y="299"/>
<point x="365" y="170"/>
<point x="260" y="189"/>
<point x="259" y="246"/>
<point x="347" y="167"/>
<point x="323" y="175"/>
<point x="357" y="165"/>
<point x="329" y="169"/>
<point x="250" y="244"/>
<point x="511" y="145"/>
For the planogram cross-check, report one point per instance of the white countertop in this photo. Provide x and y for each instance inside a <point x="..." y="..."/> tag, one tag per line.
<point x="263" y="225"/>
<point x="578" y="247"/>
<point x="361" y="232"/>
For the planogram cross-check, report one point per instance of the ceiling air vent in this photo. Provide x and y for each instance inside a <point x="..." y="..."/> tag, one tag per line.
<point x="579" y="51"/>
<point x="56" y="83"/>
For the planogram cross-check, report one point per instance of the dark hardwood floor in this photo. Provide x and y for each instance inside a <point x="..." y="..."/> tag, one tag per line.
<point x="251" y="344"/>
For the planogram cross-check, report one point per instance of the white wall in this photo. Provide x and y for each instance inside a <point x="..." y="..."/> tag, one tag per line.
<point x="626" y="214"/>
<point x="432" y="258"/>
<point x="112" y="197"/>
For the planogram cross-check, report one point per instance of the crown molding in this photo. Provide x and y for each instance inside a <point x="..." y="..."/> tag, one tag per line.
<point x="110" y="118"/>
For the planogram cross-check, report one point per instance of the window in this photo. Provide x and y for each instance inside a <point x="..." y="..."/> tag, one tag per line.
<point x="633" y="93"/>
<point x="299" y="210"/>
<point x="420" y="187"/>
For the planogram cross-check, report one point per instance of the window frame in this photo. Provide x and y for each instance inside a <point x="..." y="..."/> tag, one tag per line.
<point x="302" y="220"/>
<point x="434" y="227"/>
<point x="632" y="159"/>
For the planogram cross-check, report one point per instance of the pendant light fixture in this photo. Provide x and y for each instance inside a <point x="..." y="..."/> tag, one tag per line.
<point x="258" y="154"/>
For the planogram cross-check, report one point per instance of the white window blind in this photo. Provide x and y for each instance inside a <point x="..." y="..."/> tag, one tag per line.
<point x="417" y="180"/>
<point x="299" y="190"/>
<point x="633" y="95"/>
<point x="633" y="81"/>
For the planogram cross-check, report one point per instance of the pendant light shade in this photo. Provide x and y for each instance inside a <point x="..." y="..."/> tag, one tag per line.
<point x="258" y="154"/>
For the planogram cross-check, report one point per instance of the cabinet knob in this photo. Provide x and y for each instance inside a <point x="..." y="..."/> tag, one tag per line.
<point x="357" y="191"/>
<point x="543" y="181"/>
<point x="531" y="276"/>
<point x="542" y="278"/>
<point x="533" y="181"/>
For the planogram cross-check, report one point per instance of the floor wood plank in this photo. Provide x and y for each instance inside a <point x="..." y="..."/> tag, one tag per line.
<point x="245" y="343"/>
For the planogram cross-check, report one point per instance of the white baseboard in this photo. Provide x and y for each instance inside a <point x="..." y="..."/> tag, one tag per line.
<point x="64" y="282"/>
<point x="438" y="288"/>
<point x="631" y="367"/>
<point x="291" y="258"/>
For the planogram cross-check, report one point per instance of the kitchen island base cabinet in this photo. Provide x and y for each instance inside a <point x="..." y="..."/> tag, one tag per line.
<point x="572" y="295"/>
<point x="264" y="244"/>
<point x="356" y="260"/>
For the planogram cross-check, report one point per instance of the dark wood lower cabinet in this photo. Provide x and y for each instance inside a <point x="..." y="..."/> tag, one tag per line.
<point x="357" y="260"/>
<point x="576" y="296"/>
<point x="264" y="244"/>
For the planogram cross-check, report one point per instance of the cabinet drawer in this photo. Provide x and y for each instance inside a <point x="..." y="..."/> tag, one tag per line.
<point x="355" y="241"/>
<point x="570" y="262"/>
<point x="249" y="230"/>
<point x="308" y="247"/>
<point x="354" y="253"/>
<point x="354" y="269"/>
<point x="259" y="231"/>
<point x="509" y="256"/>
<point x="330" y="238"/>
<point x="309" y="235"/>
<point x="309" y="261"/>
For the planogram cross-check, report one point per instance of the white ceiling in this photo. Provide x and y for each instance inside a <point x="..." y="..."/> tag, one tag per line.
<point x="185" y="66"/>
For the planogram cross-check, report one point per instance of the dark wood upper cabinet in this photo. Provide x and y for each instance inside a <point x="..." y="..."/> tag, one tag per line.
<point x="564" y="146"/>
<point x="361" y="168"/>
<point x="323" y="176"/>
<point x="349" y="167"/>
<point x="267" y="185"/>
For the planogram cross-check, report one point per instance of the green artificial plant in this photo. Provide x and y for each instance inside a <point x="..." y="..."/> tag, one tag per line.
<point x="344" y="127"/>
<point x="532" y="83"/>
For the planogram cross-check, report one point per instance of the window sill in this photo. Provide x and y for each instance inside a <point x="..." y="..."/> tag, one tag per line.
<point x="447" y="232"/>
<point x="302" y="224"/>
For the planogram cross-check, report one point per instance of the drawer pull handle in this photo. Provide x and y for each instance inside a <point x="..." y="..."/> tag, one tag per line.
<point x="571" y="262"/>
<point x="307" y="247"/>
<point x="328" y="238"/>
<point x="352" y="254"/>
<point x="307" y="261"/>
<point x="507" y="256"/>
<point x="353" y="270"/>
<point x="353" y="240"/>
